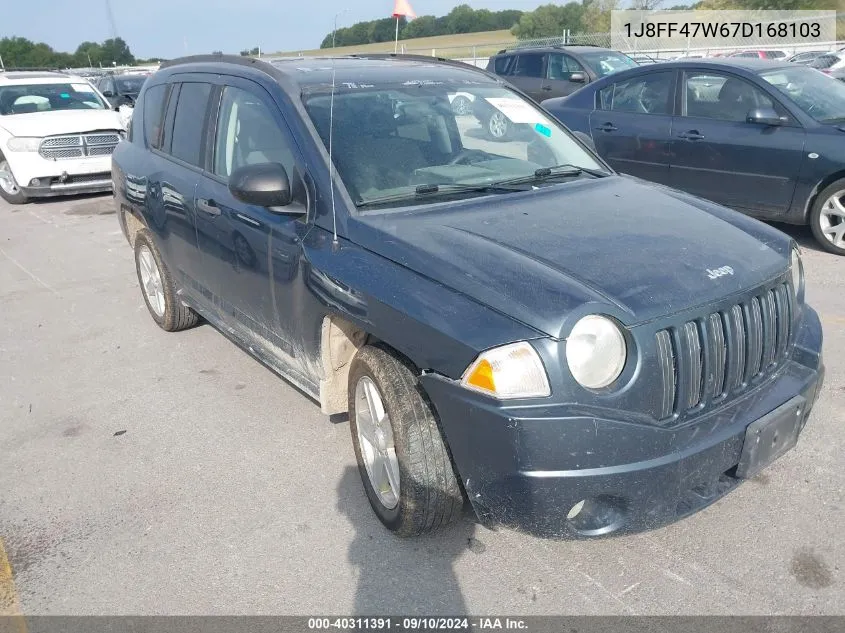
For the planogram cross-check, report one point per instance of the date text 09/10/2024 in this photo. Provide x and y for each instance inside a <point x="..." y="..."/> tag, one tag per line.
<point x="417" y="623"/>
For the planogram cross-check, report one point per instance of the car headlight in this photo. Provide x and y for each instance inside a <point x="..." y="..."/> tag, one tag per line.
<point x="23" y="143"/>
<point x="797" y="267"/>
<point x="596" y="351"/>
<point x="510" y="371"/>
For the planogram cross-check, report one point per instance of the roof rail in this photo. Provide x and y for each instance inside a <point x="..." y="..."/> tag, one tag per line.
<point x="549" y="44"/>
<point x="425" y="58"/>
<point x="229" y="59"/>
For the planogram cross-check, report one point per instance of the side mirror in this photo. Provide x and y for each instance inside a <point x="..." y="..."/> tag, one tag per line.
<point x="264" y="185"/>
<point x="764" y="116"/>
<point x="578" y="78"/>
<point x="108" y="94"/>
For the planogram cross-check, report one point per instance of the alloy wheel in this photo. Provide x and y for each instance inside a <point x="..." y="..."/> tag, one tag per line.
<point x="375" y="437"/>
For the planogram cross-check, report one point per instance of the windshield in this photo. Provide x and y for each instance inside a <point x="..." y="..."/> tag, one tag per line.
<point x="392" y="140"/>
<point x="607" y="62"/>
<point x="23" y="98"/>
<point x="129" y="84"/>
<point x="820" y="96"/>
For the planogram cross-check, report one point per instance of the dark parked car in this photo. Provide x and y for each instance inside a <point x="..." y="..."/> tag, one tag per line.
<point x="573" y="351"/>
<point x="542" y="73"/>
<point x="765" y="138"/>
<point x="121" y="89"/>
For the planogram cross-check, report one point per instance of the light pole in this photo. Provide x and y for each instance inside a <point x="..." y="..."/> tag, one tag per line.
<point x="334" y="31"/>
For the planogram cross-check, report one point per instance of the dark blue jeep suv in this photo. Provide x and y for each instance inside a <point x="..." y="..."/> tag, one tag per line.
<point x="574" y="352"/>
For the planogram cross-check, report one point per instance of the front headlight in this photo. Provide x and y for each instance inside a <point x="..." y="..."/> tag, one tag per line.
<point x="23" y="143"/>
<point x="596" y="351"/>
<point x="797" y="267"/>
<point x="510" y="371"/>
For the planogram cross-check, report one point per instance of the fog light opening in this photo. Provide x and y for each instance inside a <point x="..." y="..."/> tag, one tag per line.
<point x="35" y="182"/>
<point x="598" y="515"/>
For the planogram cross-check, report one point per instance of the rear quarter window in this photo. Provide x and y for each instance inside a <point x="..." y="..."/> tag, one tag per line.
<point x="502" y="64"/>
<point x="153" y="114"/>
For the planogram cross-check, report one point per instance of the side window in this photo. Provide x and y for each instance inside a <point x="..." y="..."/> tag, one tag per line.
<point x="189" y="122"/>
<point x="528" y="65"/>
<point x="153" y="106"/>
<point x="562" y="66"/>
<point x="645" y="94"/>
<point x="247" y="134"/>
<point x="502" y="64"/>
<point x="718" y="96"/>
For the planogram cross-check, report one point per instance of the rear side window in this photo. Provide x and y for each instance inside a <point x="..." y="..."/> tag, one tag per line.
<point x="645" y="94"/>
<point x="154" y="114"/>
<point x="189" y="122"/>
<point x="528" y="65"/>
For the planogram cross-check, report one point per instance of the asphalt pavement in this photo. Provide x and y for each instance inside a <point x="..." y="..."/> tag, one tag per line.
<point x="143" y="472"/>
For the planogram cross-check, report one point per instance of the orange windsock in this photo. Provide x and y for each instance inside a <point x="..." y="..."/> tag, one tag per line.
<point x="403" y="8"/>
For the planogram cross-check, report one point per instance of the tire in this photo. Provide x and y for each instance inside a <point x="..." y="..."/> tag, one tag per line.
<point x="461" y="106"/>
<point x="9" y="190"/>
<point x="165" y="308"/>
<point x="498" y="127"/>
<point x="429" y="493"/>
<point x="827" y="218"/>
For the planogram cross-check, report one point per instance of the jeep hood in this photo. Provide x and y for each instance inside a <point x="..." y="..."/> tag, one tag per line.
<point x="42" y="124"/>
<point x="647" y="251"/>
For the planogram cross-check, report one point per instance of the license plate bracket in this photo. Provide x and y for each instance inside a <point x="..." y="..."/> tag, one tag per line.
<point x="770" y="437"/>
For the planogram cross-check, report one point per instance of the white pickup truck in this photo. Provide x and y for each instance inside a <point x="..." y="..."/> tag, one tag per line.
<point x="57" y="134"/>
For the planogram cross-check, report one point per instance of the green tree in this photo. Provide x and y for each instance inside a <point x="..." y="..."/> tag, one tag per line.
<point x="116" y="51"/>
<point x="423" y="26"/>
<point x="550" y="20"/>
<point x="596" y="17"/>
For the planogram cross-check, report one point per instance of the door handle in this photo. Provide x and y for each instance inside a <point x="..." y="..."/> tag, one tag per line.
<point x="547" y="88"/>
<point x="607" y="127"/>
<point x="692" y="135"/>
<point x="208" y="206"/>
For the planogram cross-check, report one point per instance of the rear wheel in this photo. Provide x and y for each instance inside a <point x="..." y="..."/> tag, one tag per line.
<point x="404" y="464"/>
<point x="158" y="289"/>
<point x="827" y="218"/>
<point x="9" y="190"/>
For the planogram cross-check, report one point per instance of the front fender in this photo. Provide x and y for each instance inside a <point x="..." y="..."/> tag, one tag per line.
<point x="435" y="327"/>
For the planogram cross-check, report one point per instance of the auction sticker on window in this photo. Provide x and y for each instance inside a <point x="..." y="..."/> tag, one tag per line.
<point x="517" y="110"/>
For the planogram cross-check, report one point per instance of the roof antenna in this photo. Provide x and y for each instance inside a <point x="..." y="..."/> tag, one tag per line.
<point x="331" y="134"/>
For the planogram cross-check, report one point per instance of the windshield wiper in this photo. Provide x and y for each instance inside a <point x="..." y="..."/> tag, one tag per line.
<point x="432" y="191"/>
<point x="557" y="171"/>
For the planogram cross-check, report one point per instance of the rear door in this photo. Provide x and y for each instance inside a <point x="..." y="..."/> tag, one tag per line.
<point x="632" y="124"/>
<point x="717" y="155"/>
<point x="527" y="72"/>
<point x="560" y="69"/>
<point x="173" y="181"/>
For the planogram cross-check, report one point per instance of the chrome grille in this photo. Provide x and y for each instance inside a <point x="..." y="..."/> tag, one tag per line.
<point x="707" y="359"/>
<point x="79" y="145"/>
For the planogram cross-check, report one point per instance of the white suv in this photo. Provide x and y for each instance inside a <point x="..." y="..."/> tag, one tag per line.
<point x="57" y="134"/>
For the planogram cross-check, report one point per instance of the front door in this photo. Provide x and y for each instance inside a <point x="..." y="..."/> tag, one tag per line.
<point x="560" y="68"/>
<point x="632" y="125"/>
<point x="254" y="252"/>
<point x="717" y="155"/>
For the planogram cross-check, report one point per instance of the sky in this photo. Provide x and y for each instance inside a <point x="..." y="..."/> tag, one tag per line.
<point x="170" y="28"/>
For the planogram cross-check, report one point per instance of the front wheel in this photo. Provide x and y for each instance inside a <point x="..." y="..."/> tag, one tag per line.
<point x="827" y="218"/>
<point x="404" y="465"/>
<point x="9" y="190"/>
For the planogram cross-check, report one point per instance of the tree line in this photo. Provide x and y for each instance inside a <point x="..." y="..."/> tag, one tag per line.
<point x="19" y="52"/>
<point x="461" y="19"/>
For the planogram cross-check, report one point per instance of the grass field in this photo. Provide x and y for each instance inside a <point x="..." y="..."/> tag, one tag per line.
<point x="459" y="45"/>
